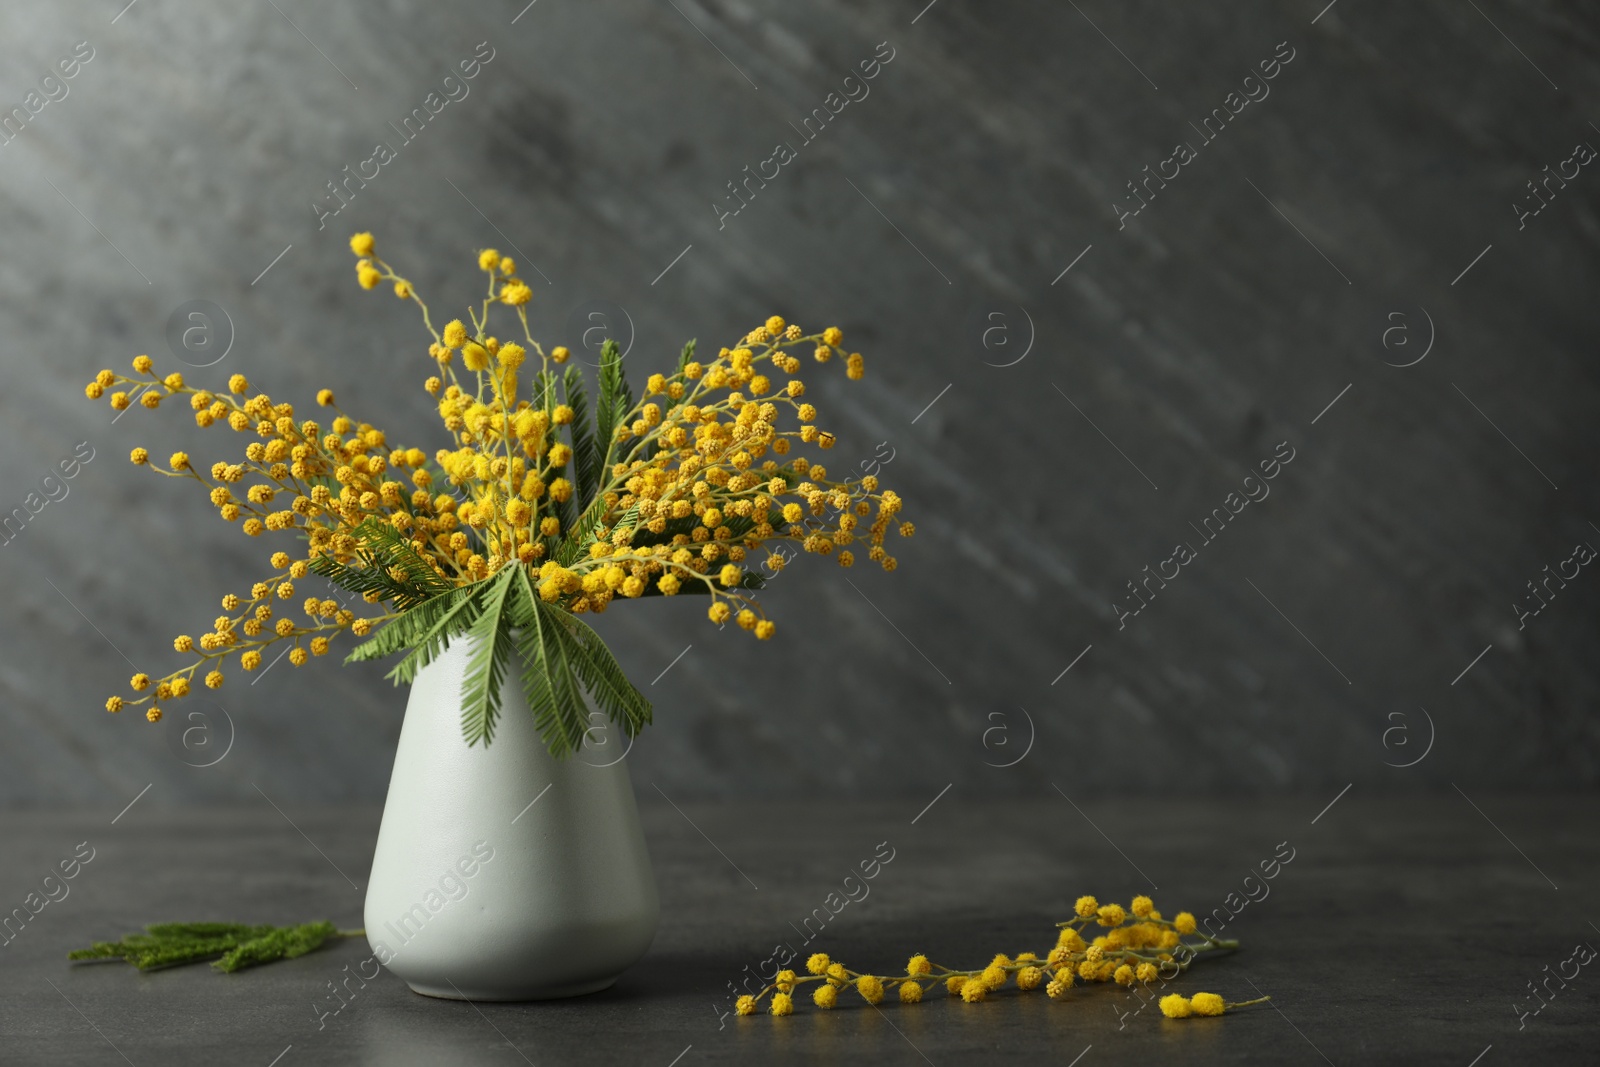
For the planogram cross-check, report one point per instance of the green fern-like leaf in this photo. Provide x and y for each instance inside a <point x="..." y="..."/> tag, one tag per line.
<point x="381" y="552"/>
<point x="172" y="944"/>
<point x="616" y="402"/>
<point x="562" y="660"/>
<point x="401" y="633"/>
<point x="360" y="580"/>
<point x="286" y="942"/>
<point x="489" y="656"/>
<point x="543" y="388"/>
<point x="395" y="550"/>
<point x="548" y="684"/>
<point x="585" y="452"/>
<point x="603" y="678"/>
<point x="575" y="546"/>
<point x="425" y="631"/>
<point x="575" y="541"/>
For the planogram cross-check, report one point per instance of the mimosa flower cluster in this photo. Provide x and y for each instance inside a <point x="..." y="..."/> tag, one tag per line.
<point x="536" y="506"/>
<point x="1135" y="945"/>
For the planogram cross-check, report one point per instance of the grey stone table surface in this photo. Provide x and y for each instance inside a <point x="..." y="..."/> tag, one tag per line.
<point x="1399" y="930"/>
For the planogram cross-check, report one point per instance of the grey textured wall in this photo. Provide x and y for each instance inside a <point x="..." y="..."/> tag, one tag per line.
<point x="1054" y="430"/>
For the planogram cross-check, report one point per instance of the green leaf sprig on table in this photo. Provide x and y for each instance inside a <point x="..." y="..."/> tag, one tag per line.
<point x="230" y="946"/>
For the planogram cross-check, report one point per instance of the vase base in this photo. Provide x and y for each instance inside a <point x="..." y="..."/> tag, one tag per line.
<point x="451" y="992"/>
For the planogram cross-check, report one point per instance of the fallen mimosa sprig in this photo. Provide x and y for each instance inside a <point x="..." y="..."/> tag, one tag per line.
<point x="1143" y="950"/>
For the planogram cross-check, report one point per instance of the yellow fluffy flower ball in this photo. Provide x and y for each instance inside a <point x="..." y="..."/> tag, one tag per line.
<point x="1207" y="1004"/>
<point x="1176" y="1006"/>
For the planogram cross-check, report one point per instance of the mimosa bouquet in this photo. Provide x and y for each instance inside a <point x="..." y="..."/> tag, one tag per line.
<point x="540" y="509"/>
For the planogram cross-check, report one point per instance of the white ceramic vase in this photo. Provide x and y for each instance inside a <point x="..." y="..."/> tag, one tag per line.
<point x="502" y="873"/>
